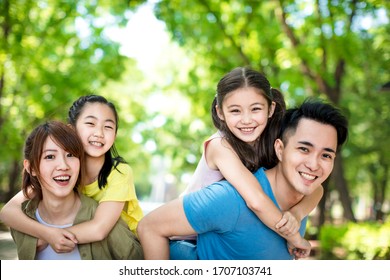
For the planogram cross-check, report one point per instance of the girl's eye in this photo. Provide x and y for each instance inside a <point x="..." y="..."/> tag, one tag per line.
<point x="256" y="109"/>
<point x="70" y="155"/>
<point x="89" y="123"/>
<point x="109" y="127"/>
<point x="235" y="111"/>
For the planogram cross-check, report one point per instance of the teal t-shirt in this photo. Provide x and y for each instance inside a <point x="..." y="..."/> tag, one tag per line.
<point x="228" y="229"/>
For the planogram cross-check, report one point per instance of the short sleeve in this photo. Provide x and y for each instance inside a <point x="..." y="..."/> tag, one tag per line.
<point x="212" y="208"/>
<point x="120" y="185"/>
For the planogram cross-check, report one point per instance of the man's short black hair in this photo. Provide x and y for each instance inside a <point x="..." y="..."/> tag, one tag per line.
<point x="317" y="110"/>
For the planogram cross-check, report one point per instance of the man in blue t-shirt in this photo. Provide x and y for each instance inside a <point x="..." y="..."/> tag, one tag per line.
<point x="227" y="229"/>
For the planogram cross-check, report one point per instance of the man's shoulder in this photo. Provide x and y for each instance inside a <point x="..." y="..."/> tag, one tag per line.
<point x="224" y="184"/>
<point x="221" y="191"/>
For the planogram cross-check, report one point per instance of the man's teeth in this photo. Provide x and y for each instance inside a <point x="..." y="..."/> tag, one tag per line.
<point x="307" y="176"/>
<point x="62" y="178"/>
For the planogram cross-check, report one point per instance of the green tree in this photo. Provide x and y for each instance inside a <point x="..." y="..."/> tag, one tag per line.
<point x="51" y="52"/>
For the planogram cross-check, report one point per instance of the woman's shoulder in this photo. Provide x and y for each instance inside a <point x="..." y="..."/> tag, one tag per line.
<point x="85" y="200"/>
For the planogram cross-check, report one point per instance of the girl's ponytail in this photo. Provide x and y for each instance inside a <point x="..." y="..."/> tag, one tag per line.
<point x="216" y="120"/>
<point x="266" y="151"/>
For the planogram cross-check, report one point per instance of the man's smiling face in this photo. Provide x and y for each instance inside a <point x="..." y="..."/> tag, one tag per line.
<point x="308" y="154"/>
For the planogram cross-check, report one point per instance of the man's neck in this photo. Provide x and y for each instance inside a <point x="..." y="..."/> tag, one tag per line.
<point x="285" y="194"/>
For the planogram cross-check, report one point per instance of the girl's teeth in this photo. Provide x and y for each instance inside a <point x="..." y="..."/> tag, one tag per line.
<point x="96" y="144"/>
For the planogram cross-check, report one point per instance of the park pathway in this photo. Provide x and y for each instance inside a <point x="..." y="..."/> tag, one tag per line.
<point x="7" y="246"/>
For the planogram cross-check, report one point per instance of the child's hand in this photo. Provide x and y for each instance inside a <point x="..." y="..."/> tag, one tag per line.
<point x="61" y="240"/>
<point x="300" y="248"/>
<point x="41" y="244"/>
<point x="288" y="224"/>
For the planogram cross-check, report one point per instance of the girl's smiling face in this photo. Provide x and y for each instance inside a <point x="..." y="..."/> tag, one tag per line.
<point x="96" y="127"/>
<point x="246" y="113"/>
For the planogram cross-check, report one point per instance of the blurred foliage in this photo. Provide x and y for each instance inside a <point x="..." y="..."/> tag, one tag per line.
<point x="51" y="52"/>
<point x="356" y="241"/>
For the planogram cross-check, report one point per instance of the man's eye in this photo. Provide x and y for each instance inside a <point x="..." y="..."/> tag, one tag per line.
<point x="303" y="149"/>
<point x="329" y="156"/>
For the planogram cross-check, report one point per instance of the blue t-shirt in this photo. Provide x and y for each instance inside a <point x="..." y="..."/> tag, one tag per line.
<point x="228" y="229"/>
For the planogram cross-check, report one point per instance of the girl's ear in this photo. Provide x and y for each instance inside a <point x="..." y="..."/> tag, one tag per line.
<point x="279" y="147"/>
<point x="26" y="165"/>
<point x="271" y="109"/>
<point x="220" y="113"/>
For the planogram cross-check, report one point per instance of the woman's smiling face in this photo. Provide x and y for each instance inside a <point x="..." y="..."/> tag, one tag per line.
<point x="58" y="170"/>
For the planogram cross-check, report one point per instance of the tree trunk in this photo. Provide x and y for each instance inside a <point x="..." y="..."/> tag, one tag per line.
<point x="341" y="186"/>
<point x="322" y="205"/>
<point x="14" y="180"/>
<point x="380" y="192"/>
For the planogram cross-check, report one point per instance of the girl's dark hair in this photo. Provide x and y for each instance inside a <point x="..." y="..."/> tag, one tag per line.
<point x="111" y="158"/>
<point x="261" y="154"/>
<point x="65" y="137"/>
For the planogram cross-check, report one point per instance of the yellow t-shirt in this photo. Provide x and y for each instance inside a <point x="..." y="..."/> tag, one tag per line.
<point x="120" y="187"/>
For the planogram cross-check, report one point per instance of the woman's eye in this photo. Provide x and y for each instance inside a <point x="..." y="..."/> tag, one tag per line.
<point x="49" y="157"/>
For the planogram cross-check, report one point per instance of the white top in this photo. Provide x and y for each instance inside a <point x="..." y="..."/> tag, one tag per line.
<point x="48" y="253"/>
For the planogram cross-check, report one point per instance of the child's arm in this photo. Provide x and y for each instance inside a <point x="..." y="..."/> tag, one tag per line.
<point x="106" y="216"/>
<point x="219" y="155"/>
<point x="63" y="240"/>
<point x="301" y="210"/>
<point x="307" y="204"/>
<point x="12" y="215"/>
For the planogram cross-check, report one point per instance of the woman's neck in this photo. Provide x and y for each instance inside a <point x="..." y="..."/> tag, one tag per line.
<point x="60" y="211"/>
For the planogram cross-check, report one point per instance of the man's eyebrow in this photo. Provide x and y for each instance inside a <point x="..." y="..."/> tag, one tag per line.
<point x="311" y="145"/>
